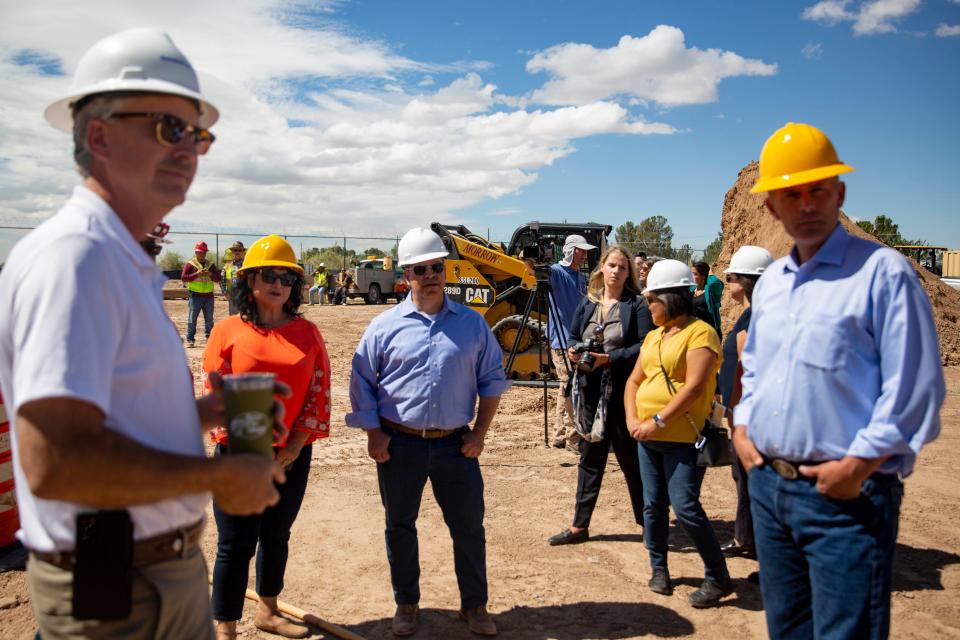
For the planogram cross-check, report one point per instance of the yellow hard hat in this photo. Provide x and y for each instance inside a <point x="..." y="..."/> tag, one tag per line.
<point x="270" y="251"/>
<point x="797" y="154"/>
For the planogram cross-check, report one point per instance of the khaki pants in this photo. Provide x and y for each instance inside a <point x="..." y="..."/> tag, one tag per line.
<point x="170" y="600"/>
<point x="564" y="431"/>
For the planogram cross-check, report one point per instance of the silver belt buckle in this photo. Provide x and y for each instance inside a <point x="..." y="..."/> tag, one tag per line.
<point x="785" y="469"/>
<point x="179" y="544"/>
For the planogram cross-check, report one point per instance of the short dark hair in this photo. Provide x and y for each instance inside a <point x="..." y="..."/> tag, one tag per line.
<point x="677" y="301"/>
<point x="748" y="282"/>
<point x="702" y="268"/>
<point x="243" y="297"/>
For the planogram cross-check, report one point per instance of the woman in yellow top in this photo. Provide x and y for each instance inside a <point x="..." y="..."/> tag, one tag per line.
<point x="667" y="399"/>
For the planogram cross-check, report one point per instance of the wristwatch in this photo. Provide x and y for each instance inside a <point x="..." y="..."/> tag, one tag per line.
<point x="657" y="420"/>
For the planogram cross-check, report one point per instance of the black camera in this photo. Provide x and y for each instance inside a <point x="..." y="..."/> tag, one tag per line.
<point x="586" y="349"/>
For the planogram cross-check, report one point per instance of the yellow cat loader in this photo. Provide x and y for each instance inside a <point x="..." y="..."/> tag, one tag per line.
<point x="497" y="280"/>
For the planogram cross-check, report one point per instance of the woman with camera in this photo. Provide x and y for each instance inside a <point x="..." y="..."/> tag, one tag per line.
<point x="668" y="398"/>
<point x="615" y="317"/>
<point x="270" y="336"/>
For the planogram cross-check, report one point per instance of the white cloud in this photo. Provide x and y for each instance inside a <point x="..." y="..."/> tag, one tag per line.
<point x="948" y="30"/>
<point x="323" y="131"/>
<point x="812" y="50"/>
<point x="658" y="67"/>
<point x="870" y="17"/>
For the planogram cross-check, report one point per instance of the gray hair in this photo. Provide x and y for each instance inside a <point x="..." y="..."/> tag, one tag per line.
<point x="99" y="107"/>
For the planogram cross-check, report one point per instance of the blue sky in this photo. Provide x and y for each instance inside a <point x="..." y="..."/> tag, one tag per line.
<point x="369" y="117"/>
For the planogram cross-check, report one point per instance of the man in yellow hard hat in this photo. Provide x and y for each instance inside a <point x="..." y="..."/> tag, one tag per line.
<point x="842" y="386"/>
<point x="112" y="477"/>
<point x="237" y="252"/>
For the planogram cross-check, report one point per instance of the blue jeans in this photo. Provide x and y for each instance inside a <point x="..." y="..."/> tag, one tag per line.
<point x="196" y="304"/>
<point x="825" y="564"/>
<point x="238" y="538"/>
<point x="458" y="488"/>
<point x="671" y="477"/>
<point x="320" y="291"/>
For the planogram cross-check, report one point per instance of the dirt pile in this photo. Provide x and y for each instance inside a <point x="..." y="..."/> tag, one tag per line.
<point x="746" y="221"/>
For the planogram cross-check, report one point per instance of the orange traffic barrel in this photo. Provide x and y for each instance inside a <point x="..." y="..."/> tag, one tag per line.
<point x="9" y="517"/>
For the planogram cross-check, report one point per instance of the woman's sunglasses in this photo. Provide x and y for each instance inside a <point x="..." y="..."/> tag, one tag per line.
<point x="421" y="269"/>
<point x="171" y="130"/>
<point x="732" y="277"/>
<point x="269" y="276"/>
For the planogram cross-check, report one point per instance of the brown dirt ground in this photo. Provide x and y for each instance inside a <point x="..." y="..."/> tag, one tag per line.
<point x="338" y="567"/>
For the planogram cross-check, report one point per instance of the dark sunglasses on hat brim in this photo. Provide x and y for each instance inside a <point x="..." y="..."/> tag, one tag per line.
<point x="171" y="130"/>
<point x="421" y="269"/>
<point x="269" y="276"/>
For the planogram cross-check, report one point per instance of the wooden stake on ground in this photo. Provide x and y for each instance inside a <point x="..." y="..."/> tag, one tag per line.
<point x="305" y="616"/>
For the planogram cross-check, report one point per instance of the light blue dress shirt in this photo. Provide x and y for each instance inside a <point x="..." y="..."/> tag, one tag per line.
<point x="422" y="372"/>
<point x="842" y="358"/>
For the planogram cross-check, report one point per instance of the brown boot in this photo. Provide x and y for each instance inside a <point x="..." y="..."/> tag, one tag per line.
<point x="406" y="620"/>
<point x="479" y="621"/>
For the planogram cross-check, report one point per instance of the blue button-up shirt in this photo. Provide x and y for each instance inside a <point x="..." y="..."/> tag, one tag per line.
<point x="423" y="372"/>
<point x="842" y="358"/>
<point x="567" y="288"/>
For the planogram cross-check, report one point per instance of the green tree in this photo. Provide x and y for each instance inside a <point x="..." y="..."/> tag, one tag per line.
<point x="170" y="260"/>
<point x="374" y="251"/>
<point x="888" y="231"/>
<point x="652" y="235"/>
<point x="712" y="252"/>
<point x="684" y="253"/>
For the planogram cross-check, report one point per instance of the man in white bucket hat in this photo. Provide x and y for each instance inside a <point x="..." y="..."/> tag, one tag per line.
<point x="112" y="480"/>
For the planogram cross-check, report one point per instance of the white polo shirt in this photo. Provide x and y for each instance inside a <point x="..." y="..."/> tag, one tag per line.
<point x="83" y="318"/>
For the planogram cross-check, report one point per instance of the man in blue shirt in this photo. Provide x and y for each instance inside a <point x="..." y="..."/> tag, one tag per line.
<point x="567" y="288"/>
<point x="417" y="375"/>
<point x="842" y="386"/>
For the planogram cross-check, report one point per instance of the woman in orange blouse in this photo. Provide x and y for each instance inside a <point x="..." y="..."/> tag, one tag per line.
<point x="268" y="336"/>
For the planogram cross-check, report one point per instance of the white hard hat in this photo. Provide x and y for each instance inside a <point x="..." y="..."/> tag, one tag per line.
<point x="419" y="245"/>
<point x="322" y="265"/>
<point x="132" y="60"/>
<point x="669" y="274"/>
<point x="749" y="260"/>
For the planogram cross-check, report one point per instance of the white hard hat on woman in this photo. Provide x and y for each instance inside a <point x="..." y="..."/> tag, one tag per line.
<point x="749" y="260"/>
<point x="669" y="274"/>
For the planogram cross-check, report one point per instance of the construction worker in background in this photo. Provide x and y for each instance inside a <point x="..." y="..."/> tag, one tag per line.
<point x="111" y="478"/>
<point x="567" y="288"/>
<point x="200" y="275"/>
<point x="842" y="387"/>
<point x="417" y="375"/>
<point x="153" y="243"/>
<point x="237" y="253"/>
<point x="319" y="287"/>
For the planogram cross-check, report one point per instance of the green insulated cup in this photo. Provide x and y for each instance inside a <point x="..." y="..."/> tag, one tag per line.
<point x="249" y="406"/>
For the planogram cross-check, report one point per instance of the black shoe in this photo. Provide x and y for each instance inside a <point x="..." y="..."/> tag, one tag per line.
<point x="734" y="549"/>
<point x="754" y="577"/>
<point x="569" y="537"/>
<point x="709" y="593"/>
<point x="660" y="582"/>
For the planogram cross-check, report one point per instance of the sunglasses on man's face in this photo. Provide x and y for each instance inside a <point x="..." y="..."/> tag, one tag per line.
<point x="421" y="269"/>
<point x="171" y="130"/>
<point x="731" y="277"/>
<point x="269" y="276"/>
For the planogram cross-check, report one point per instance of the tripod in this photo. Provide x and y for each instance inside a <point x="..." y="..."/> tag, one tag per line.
<point x="540" y="296"/>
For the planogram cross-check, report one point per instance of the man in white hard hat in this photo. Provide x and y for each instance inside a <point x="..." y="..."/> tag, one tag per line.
<point x="842" y="387"/>
<point x="111" y="477"/>
<point x="568" y="286"/>
<point x="417" y="375"/>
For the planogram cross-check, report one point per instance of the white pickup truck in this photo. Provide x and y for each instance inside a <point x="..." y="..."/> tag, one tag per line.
<point x="376" y="280"/>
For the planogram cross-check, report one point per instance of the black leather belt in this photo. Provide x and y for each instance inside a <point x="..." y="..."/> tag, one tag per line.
<point x="427" y="434"/>
<point x="788" y="469"/>
<point x="165" y="546"/>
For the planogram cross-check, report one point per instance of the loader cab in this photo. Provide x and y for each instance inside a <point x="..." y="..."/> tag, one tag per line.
<point x="543" y="241"/>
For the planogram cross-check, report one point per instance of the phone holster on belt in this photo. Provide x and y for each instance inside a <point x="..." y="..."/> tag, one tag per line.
<point x="103" y="566"/>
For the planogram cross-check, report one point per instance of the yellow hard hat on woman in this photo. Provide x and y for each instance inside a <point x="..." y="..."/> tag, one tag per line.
<point x="797" y="154"/>
<point x="270" y="251"/>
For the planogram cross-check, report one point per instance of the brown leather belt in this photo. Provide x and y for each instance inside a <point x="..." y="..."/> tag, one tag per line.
<point x="427" y="434"/>
<point x="165" y="546"/>
<point x="790" y="470"/>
